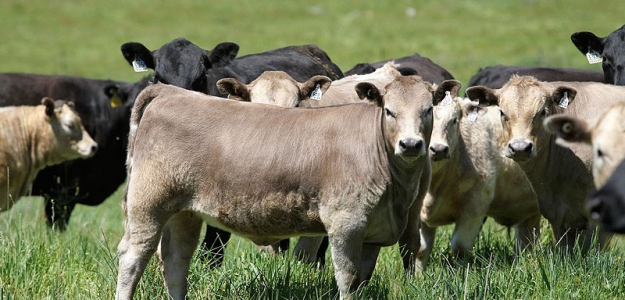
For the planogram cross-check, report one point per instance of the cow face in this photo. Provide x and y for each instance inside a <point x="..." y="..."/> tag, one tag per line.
<point x="446" y="132"/>
<point x="607" y="205"/>
<point x="605" y="136"/>
<point x="610" y="48"/>
<point x="275" y="88"/>
<point x="70" y="137"/>
<point x="180" y="62"/>
<point x="524" y="103"/>
<point x="407" y="104"/>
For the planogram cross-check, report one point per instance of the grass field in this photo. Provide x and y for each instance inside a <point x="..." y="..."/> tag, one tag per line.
<point x="83" y="38"/>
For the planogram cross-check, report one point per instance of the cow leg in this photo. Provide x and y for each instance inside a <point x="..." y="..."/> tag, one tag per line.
<point x="58" y="213"/>
<point x="306" y="246"/>
<point x="346" y="248"/>
<point x="280" y="247"/>
<point x="369" y="258"/>
<point x="526" y="233"/>
<point x="465" y="233"/>
<point x="410" y="240"/>
<point x="321" y="253"/>
<point x="134" y="251"/>
<point x="179" y="241"/>
<point x="428" y="237"/>
<point x="214" y="246"/>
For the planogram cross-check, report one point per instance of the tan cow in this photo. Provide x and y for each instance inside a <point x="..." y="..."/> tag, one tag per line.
<point x="352" y="172"/>
<point x="560" y="177"/>
<point x="471" y="179"/>
<point x="342" y="90"/>
<point x="606" y="136"/>
<point x="275" y="88"/>
<point x="34" y="137"/>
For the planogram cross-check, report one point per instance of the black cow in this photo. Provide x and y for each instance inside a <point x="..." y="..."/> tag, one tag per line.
<point x="495" y="77"/>
<point x="408" y="65"/>
<point x="611" y="48"/>
<point x="607" y="205"/>
<point x="184" y="64"/>
<point x="176" y="63"/>
<point x="104" y="108"/>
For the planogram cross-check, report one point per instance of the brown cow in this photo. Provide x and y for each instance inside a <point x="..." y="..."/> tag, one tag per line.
<point x="472" y="180"/>
<point x="267" y="172"/>
<point x="35" y="137"/>
<point x="606" y="137"/>
<point x="560" y="177"/>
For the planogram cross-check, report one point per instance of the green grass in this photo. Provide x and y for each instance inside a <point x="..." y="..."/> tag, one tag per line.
<point x="83" y="38"/>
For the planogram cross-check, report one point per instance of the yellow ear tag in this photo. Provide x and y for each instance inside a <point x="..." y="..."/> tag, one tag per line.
<point x="115" y="101"/>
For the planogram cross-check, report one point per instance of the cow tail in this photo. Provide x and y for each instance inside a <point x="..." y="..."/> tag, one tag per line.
<point x="142" y="101"/>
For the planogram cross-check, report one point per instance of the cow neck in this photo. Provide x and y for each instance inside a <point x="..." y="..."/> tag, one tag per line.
<point x="404" y="175"/>
<point x="536" y="168"/>
<point x="40" y="139"/>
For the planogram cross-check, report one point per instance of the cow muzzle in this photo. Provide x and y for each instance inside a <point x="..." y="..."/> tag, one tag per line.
<point x="608" y="212"/>
<point x="87" y="149"/>
<point x="410" y="148"/>
<point x="520" y="149"/>
<point x="439" y="151"/>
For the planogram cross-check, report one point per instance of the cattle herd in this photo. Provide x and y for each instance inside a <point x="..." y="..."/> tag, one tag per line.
<point x="378" y="155"/>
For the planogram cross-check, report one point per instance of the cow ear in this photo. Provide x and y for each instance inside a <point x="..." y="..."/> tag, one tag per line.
<point x="361" y="69"/>
<point x="568" y="128"/>
<point x="112" y="92"/>
<point x="563" y="96"/>
<point x="222" y="54"/>
<point x="407" y="71"/>
<point x="49" y="104"/>
<point x="485" y="96"/>
<point x="316" y="85"/>
<point x="234" y="88"/>
<point x="451" y="86"/>
<point x="71" y="104"/>
<point x="585" y="41"/>
<point x="470" y="108"/>
<point x="132" y="51"/>
<point x="370" y="91"/>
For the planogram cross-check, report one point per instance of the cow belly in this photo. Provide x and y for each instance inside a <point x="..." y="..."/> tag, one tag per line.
<point x="264" y="220"/>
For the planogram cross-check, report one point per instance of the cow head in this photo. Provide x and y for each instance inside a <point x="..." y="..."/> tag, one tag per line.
<point x="180" y="62"/>
<point x="610" y="48"/>
<point x="69" y="136"/>
<point x="606" y="137"/>
<point x="446" y="132"/>
<point x="524" y="103"/>
<point x="275" y="88"/>
<point x="407" y="105"/>
<point x="607" y="205"/>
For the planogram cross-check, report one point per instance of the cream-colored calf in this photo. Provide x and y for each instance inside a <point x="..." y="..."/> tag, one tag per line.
<point x="34" y="137"/>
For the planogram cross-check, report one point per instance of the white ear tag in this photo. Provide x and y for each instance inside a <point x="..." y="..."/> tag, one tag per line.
<point x="447" y="100"/>
<point x="316" y="93"/>
<point x="472" y="116"/>
<point x="139" y="65"/>
<point x="593" y="56"/>
<point x="564" y="101"/>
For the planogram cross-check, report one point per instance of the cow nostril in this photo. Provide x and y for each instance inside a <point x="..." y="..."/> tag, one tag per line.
<point x="94" y="148"/>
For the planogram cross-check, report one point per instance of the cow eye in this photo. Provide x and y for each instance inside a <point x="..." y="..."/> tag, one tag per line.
<point x="600" y="153"/>
<point x="429" y="110"/>
<point x="503" y="116"/>
<point x="389" y="113"/>
<point x="543" y="112"/>
<point x="454" y="120"/>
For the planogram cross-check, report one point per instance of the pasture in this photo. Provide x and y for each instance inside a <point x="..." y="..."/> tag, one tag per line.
<point x="82" y="38"/>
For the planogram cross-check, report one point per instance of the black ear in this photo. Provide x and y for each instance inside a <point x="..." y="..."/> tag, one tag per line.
<point x="49" y="103"/>
<point x="485" y="96"/>
<point x="451" y="86"/>
<point x="568" y="128"/>
<point x="360" y="69"/>
<point x="404" y="71"/>
<point x="585" y="40"/>
<point x="369" y="91"/>
<point x="132" y="51"/>
<point x="311" y="84"/>
<point x="222" y="54"/>
<point x="563" y="96"/>
<point x="235" y="89"/>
